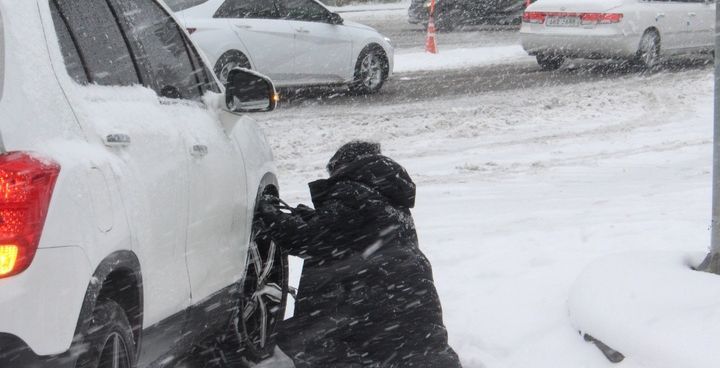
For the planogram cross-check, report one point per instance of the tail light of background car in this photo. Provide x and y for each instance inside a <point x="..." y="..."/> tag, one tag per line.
<point x="26" y="186"/>
<point x="585" y="18"/>
<point x="534" y="17"/>
<point x="600" y="18"/>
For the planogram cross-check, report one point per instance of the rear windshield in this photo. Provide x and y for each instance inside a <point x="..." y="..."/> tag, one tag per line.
<point x="178" y="5"/>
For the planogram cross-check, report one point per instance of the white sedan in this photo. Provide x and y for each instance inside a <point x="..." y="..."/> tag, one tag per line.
<point x="294" y="42"/>
<point x="641" y="30"/>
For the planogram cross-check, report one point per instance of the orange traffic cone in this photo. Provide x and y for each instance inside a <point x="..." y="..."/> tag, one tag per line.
<point x="430" y="44"/>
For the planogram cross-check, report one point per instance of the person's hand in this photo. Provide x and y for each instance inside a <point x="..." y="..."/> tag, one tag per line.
<point x="267" y="206"/>
<point x="304" y="212"/>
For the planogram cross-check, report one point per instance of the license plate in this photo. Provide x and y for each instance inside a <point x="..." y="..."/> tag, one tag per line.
<point x="563" y="21"/>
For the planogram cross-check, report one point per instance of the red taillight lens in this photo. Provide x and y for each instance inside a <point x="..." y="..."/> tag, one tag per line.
<point x="600" y="18"/>
<point x="26" y="186"/>
<point x="534" y="17"/>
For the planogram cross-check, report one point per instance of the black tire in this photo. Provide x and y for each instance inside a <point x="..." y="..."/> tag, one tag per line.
<point x="108" y="341"/>
<point x="246" y="342"/>
<point x="648" y="55"/>
<point x="550" y="62"/>
<point x="371" y="71"/>
<point x="228" y="61"/>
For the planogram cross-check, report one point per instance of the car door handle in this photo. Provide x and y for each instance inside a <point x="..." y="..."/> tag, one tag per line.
<point x="199" y="150"/>
<point x="302" y="30"/>
<point x="660" y="15"/>
<point x="243" y="26"/>
<point x="117" y="140"/>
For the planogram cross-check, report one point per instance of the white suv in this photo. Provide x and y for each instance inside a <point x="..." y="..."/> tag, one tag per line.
<point x="127" y="190"/>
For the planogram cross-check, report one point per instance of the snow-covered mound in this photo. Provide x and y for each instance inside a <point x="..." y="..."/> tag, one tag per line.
<point x="652" y="307"/>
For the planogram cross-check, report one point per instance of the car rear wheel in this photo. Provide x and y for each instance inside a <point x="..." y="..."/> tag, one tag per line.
<point x="371" y="71"/>
<point x="649" y="51"/>
<point x="108" y="341"/>
<point x="550" y="62"/>
<point x="262" y="301"/>
<point x="229" y="61"/>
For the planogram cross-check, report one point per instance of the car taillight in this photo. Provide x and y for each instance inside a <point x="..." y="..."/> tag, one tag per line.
<point x="534" y="17"/>
<point x="26" y="186"/>
<point x="600" y="18"/>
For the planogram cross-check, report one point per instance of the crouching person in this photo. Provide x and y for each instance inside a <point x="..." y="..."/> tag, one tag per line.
<point x="366" y="296"/>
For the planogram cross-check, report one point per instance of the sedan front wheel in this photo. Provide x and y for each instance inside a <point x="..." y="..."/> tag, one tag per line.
<point x="371" y="71"/>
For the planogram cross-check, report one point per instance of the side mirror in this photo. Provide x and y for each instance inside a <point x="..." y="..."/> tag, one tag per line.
<point x="247" y="91"/>
<point x="335" y="18"/>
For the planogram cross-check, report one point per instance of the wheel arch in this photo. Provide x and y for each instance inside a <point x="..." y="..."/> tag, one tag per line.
<point x="118" y="277"/>
<point x="268" y="185"/>
<point x="235" y="52"/>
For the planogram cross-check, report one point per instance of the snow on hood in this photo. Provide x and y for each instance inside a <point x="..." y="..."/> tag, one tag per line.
<point x="576" y="5"/>
<point x="349" y="23"/>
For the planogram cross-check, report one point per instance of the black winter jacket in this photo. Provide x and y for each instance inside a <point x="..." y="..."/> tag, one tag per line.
<point x="366" y="295"/>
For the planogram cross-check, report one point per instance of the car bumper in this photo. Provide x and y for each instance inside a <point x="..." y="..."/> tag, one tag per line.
<point x="591" y="43"/>
<point x="41" y="306"/>
<point x="16" y="353"/>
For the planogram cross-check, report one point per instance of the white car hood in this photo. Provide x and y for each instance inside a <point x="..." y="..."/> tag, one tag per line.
<point x="349" y="23"/>
<point x="586" y="6"/>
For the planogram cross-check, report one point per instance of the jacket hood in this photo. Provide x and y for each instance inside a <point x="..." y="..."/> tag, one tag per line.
<point x="379" y="173"/>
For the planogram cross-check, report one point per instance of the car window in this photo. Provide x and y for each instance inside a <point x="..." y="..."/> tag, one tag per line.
<point x="160" y="49"/>
<point x="304" y="10"/>
<point x="261" y="9"/>
<point x="73" y="63"/>
<point x="179" y="5"/>
<point x="100" y="44"/>
<point x="205" y="77"/>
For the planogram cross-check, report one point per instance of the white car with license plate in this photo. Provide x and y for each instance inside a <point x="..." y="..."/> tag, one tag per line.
<point x="128" y="181"/>
<point x="294" y="42"/>
<point x="642" y="30"/>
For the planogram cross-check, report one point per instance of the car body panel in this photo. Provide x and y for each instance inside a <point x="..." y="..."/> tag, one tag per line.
<point x="25" y="299"/>
<point x="270" y="45"/>
<point x="323" y="52"/>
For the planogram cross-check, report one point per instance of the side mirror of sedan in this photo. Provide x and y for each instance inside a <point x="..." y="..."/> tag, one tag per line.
<point x="335" y="18"/>
<point x="247" y="91"/>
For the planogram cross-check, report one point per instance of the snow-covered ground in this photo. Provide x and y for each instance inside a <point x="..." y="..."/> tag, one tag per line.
<point x="459" y="58"/>
<point x="520" y="190"/>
